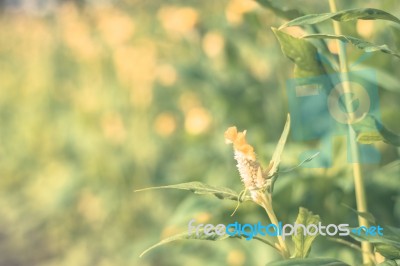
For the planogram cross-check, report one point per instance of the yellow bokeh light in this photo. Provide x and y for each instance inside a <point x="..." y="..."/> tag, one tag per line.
<point x="203" y="217"/>
<point x="178" y="19"/>
<point x="188" y="100"/>
<point x="77" y="33"/>
<point x="113" y="127"/>
<point x="236" y="9"/>
<point x="213" y="44"/>
<point x="365" y="28"/>
<point x="90" y="207"/>
<point x="166" y="74"/>
<point x="165" y="124"/>
<point x="333" y="46"/>
<point x="136" y="68"/>
<point x="236" y="258"/>
<point x="115" y="26"/>
<point x="197" y="121"/>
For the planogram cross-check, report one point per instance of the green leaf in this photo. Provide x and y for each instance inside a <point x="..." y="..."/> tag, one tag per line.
<point x="369" y="137"/>
<point x="276" y="156"/>
<point x="388" y="136"/>
<point x="272" y="171"/>
<point x="388" y="263"/>
<point x="302" y="53"/>
<point x="212" y="236"/>
<point x="383" y="79"/>
<point x="360" y="44"/>
<point x="186" y="236"/>
<point x="388" y="251"/>
<point x="345" y="15"/>
<point x="388" y="245"/>
<point x="286" y="14"/>
<point x="302" y="242"/>
<point x="369" y="130"/>
<point x="309" y="262"/>
<point x="203" y="189"/>
<point x="366" y="215"/>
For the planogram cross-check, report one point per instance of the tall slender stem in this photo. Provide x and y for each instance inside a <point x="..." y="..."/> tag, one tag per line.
<point x="267" y="205"/>
<point x="357" y="170"/>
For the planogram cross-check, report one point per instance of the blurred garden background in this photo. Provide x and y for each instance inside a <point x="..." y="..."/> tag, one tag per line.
<point x="100" y="98"/>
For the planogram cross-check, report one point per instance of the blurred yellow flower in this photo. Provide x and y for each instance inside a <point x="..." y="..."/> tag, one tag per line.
<point x="113" y="127"/>
<point x="365" y="28"/>
<point x="197" y="121"/>
<point x="178" y="19"/>
<point x="91" y="207"/>
<point x="166" y="74"/>
<point x="115" y="26"/>
<point x="236" y="258"/>
<point x="165" y="124"/>
<point x="236" y="8"/>
<point x="76" y="33"/>
<point x="213" y="44"/>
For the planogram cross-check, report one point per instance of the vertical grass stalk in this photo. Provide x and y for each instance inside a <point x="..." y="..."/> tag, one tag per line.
<point x="357" y="170"/>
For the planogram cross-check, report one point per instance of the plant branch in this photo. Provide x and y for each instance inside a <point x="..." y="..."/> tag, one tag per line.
<point x="267" y="205"/>
<point x="357" y="170"/>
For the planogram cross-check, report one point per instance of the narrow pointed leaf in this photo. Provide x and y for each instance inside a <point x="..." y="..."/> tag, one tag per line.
<point x="345" y="15"/>
<point x="309" y="262"/>
<point x="203" y="189"/>
<point x="186" y="236"/>
<point x="276" y="157"/>
<point x="283" y="13"/>
<point x="388" y="245"/>
<point x="212" y="236"/>
<point x="388" y="263"/>
<point x="360" y="44"/>
<point x="366" y="215"/>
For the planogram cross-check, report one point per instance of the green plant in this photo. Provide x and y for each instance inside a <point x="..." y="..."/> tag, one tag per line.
<point x="258" y="187"/>
<point x="259" y="182"/>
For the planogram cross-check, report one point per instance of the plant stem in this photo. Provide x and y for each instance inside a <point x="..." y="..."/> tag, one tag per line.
<point x="267" y="205"/>
<point x="351" y="245"/>
<point x="357" y="170"/>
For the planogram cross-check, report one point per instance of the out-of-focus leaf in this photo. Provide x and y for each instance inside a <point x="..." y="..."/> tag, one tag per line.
<point x="345" y="15"/>
<point x="369" y="137"/>
<point x="212" y="236"/>
<point x="388" y="136"/>
<point x="388" y="251"/>
<point x="366" y="215"/>
<point x="360" y="44"/>
<point x="309" y="262"/>
<point x="382" y="78"/>
<point x="302" y="53"/>
<point x="369" y="130"/>
<point x="303" y="241"/>
<point x="388" y="245"/>
<point x="388" y="263"/>
<point x="201" y="188"/>
<point x="286" y="14"/>
<point x="186" y="236"/>
<point x="394" y="232"/>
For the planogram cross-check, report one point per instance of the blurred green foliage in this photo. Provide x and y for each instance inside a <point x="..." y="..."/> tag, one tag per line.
<point x="97" y="101"/>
